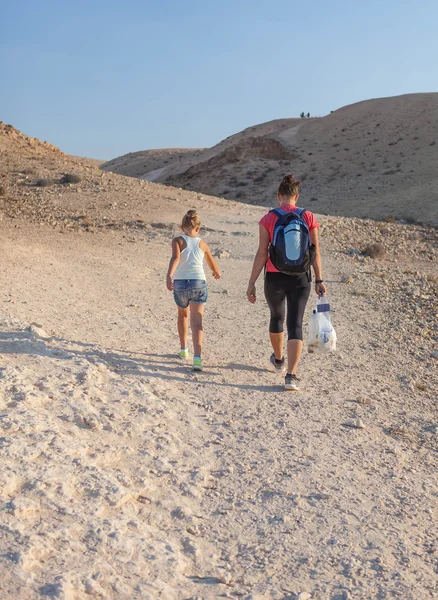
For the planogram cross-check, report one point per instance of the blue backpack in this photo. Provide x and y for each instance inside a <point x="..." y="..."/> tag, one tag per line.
<point x="291" y="250"/>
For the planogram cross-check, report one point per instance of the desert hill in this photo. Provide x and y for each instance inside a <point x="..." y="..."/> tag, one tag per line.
<point x="13" y="140"/>
<point x="126" y="476"/>
<point x="135" y="164"/>
<point x="373" y="159"/>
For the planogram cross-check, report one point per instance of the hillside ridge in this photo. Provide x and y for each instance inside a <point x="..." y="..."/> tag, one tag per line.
<point x="375" y="158"/>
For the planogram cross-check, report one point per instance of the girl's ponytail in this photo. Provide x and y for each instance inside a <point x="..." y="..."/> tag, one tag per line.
<point x="191" y="220"/>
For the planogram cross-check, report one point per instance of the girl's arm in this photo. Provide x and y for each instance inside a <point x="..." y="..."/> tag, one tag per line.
<point x="173" y="263"/>
<point x="259" y="262"/>
<point x="317" y="266"/>
<point x="210" y="260"/>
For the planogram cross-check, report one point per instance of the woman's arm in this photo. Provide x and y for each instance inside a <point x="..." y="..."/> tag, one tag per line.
<point x="173" y="263"/>
<point x="317" y="266"/>
<point x="216" y="272"/>
<point x="260" y="260"/>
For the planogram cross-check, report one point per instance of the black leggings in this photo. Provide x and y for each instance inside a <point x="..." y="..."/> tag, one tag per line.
<point x="295" y="289"/>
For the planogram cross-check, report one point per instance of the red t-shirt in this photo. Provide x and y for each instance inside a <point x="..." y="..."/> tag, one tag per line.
<point x="269" y="220"/>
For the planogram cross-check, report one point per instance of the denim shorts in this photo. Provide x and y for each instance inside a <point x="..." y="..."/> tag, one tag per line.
<point x="190" y="290"/>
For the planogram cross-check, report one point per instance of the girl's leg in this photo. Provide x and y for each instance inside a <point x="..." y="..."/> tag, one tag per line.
<point x="183" y="326"/>
<point x="196" y="312"/>
<point x="296" y="304"/>
<point x="275" y="297"/>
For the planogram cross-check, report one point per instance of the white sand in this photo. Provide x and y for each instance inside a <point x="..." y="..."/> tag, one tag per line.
<point x="125" y="475"/>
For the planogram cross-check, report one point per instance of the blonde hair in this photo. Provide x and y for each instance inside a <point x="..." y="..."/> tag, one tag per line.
<point x="191" y="220"/>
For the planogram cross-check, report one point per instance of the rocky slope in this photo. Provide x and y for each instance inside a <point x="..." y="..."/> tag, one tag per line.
<point x="136" y="164"/>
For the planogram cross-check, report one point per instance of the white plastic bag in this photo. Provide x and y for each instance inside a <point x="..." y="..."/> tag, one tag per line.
<point x="322" y="335"/>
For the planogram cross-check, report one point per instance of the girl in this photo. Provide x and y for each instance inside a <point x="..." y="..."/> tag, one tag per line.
<point x="281" y="288"/>
<point x="186" y="278"/>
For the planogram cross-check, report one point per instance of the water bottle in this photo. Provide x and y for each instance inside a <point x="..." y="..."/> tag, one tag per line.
<point x="325" y="326"/>
<point x="313" y="331"/>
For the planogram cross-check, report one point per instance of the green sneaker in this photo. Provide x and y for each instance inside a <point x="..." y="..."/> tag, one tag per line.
<point x="197" y="363"/>
<point x="183" y="353"/>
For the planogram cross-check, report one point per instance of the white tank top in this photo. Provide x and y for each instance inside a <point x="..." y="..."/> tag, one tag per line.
<point x="191" y="260"/>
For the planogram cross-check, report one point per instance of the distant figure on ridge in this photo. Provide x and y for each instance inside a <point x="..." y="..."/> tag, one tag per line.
<point x="186" y="278"/>
<point x="288" y="247"/>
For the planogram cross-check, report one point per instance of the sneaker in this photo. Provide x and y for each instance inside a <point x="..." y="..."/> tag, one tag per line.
<point x="197" y="363"/>
<point x="279" y="366"/>
<point x="183" y="353"/>
<point x="291" y="382"/>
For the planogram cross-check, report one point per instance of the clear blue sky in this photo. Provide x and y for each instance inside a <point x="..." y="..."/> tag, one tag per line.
<point x="100" y="78"/>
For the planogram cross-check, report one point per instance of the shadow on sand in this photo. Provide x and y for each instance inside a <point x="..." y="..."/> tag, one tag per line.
<point x="139" y="364"/>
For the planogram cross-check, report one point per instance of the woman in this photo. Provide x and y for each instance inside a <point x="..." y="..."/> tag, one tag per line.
<point x="282" y="288"/>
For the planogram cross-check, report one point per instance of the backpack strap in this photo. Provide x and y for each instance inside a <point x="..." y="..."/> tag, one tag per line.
<point x="279" y="212"/>
<point x="300" y="212"/>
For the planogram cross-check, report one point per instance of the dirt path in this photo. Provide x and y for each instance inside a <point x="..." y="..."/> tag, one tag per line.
<point x="126" y="475"/>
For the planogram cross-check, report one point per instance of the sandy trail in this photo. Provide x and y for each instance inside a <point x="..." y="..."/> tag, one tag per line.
<point x="126" y="475"/>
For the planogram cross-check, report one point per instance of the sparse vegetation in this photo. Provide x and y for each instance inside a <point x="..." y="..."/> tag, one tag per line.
<point x="375" y="250"/>
<point x="70" y="178"/>
<point x="44" y="182"/>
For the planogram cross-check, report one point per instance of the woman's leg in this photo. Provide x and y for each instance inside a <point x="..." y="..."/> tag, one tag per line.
<point x="296" y="304"/>
<point x="294" y="350"/>
<point x="196" y="312"/>
<point x="277" y="343"/>
<point x="276" y="299"/>
<point x="183" y="326"/>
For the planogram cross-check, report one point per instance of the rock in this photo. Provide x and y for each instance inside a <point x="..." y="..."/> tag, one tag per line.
<point x="90" y="421"/>
<point x="221" y="254"/>
<point x="357" y="424"/>
<point x="434" y="354"/>
<point x="304" y="596"/>
<point x="225" y="578"/>
<point x="37" y="331"/>
<point x="421" y="386"/>
<point x="226" y="292"/>
<point x="346" y="279"/>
